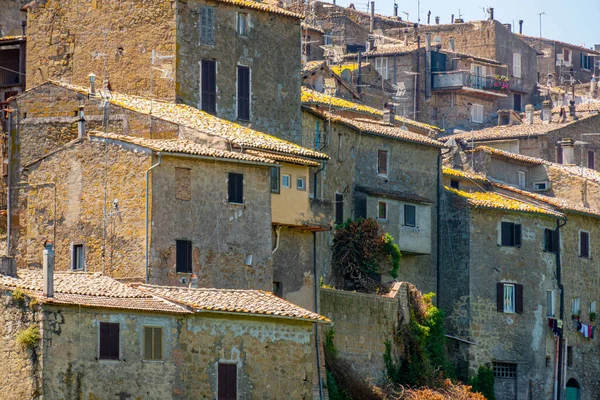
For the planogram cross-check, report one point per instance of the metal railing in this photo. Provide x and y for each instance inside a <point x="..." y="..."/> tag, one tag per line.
<point x="459" y="79"/>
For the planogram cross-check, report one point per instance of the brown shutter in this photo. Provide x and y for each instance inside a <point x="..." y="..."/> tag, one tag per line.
<point x="519" y="299"/>
<point x="382" y="162"/>
<point x="505" y="230"/>
<point x="147" y="343"/>
<point x="518" y="235"/>
<point x="209" y="86"/>
<point x="109" y="341"/>
<point x="243" y="93"/>
<point x="227" y="382"/>
<point x="500" y="297"/>
<point x="157" y="343"/>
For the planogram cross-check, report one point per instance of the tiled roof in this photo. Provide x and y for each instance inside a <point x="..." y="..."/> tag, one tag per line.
<point x="311" y="67"/>
<point x="283" y="158"/>
<point x="199" y="120"/>
<point x="387" y="50"/>
<point x="88" y="289"/>
<point x="11" y="38"/>
<point x="375" y="128"/>
<point x="508" y="155"/>
<point x="561" y="204"/>
<point x="491" y="200"/>
<point x="464" y="174"/>
<point x="474" y="57"/>
<point x="352" y="66"/>
<point x="255" y="302"/>
<point x="393" y="194"/>
<point x="308" y="26"/>
<point x="312" y="97"/>
<point x="181" y="146"/>
<point x="538" y="39"/>
<point x="262" y="6"/>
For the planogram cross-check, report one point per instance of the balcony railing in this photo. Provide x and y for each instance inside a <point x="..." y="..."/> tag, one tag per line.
<point x="462" y="79"/>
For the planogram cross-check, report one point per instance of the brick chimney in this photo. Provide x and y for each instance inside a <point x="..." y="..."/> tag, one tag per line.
<point x="568" y="150"/>
<point x="48" y="272"/>
<point x="372" y="22"/>
<point x="529" y="114"/>
<point x="546" y="111"/>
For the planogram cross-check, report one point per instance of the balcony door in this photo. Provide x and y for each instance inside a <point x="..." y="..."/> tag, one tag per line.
<point x="478" y="76"/>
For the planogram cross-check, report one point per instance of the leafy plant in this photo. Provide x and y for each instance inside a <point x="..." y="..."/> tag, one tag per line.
<point x="593" y="316"/>
<point x="483" y="382"/>
<point x="18" y="295"/>
<point x="29" y="338"/>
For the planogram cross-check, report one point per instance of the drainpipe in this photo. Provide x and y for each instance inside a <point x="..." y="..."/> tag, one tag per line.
<point x="359" y="72"/>
<point x="277" y="234"/>
<point x="438" y="227"/>
<point x="8" y="185"/>
<point x="558" y="381"/>
<point x="147" y="212"/>
<point x="416" y="89"/>
<point x="315" y="184"/>
<point x="316" y="285"/>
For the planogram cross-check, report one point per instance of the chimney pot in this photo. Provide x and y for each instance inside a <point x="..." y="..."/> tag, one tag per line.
<point x="572" y="112"/>
<point x="372" y="25"/>
<point x="437" y="20"/>
<point x="529" y="114"/>
<point x="48" y="272"/>
<point x="546" y="111"/>
<point x="428" y="41"/>
<point x="520" y="26"/>
<point x="193" y="281"/>
<point x="395" y="10"/>
<point x="92" y="77"/>
<point x="81" y="124"/>
<point x="568" y="148"/>
<point x="389" y="115"/>
<point x="452" y="18"/>
<point x="451" y="44"/>
<point x="491" y="11"/>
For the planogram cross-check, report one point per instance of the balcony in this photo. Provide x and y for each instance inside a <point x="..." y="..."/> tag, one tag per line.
<point x="468" y="83"/>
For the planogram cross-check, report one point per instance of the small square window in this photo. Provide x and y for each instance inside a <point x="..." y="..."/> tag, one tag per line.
<point x="382" y="210"/>
<point x="505" y="370"/>
<point x="454" y="184"/>
<point x="301" y="183"/>
<point x="109" y="341"/>
<point x="275" y="180"/>
<point x="242" y="24"/>
<point x="509" y="298"/>
<point x="286" y="181"/>
<point x="78" y="263"/>
<point x="152" y="343"/>
<point x="511" y="234"/>
<point x="584" y="244"/>
<point x="410" y="215"/>
<point x="183" y="256"/>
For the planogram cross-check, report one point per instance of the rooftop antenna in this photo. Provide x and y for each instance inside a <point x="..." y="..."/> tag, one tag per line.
<point x="407" y="17"/>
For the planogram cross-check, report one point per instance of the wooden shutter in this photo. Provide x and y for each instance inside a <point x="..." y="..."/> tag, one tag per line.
<point x="505" y="233"/>
<point x="382" y="162"/>
<point x="183" y="256"/>
<point x="203" y="24"/>
<point x="157" y="343"/>
<point x="236" y="188"/>
<point x="275" y="180"/>
<point x="243" y="93"/>
<point x="519" y="299"/>
<point x="591" y="159"/>
<point x="148" y="343"/>
<point x="206" y="25"/>
<point x="209" y="86"/>
<point x="339" y="208"/>
<point x="227" y="382"/>
<point x="109" y="341"/>
<point x="517" y="234"/>
<point x="584" y="244"/>
<point x="500" y="297"/>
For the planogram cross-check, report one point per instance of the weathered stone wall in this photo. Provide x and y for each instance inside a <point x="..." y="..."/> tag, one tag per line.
<point x="275" y="81"/>
<point x="21" y="367"/>
<point x="362" y="323"/>
<point x="192" y="348"/>
<point x="12" y="16"/>
<point x="223" y="234"/>
<point x="447" y="113"/>
<point x="68" y="40"/>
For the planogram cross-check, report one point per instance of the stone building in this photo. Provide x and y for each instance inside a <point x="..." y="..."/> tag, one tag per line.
<point x="84" y="335"/>
<point x="213" y="54"/>
<point x="312" y="43"/>
<point x="12" y="73"/>
<point x="378" y="170"/>
<point x="317" y="76"/>
<point x="558" y="61"/>
<point x="203" y="169"/>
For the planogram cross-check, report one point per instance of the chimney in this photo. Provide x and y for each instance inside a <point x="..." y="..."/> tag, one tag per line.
<point x="8" y="266"/>
<point x="48" y="270"/>
<point x="520" y="27"/>
<point x="193" y="281"/>
<point x="593" y="88"/>
<point x="572" y="113"/>
<point x="92" y="83"/>
<point x="437" y="20"/>
<point x="491" y="11"/>
<point x="529" y="114"/>
<point x="503" y="117"/>
<point x="546" y="111"/>
<point x="406" y="37"/>
<point x="428" y="41"/>
<point x="395" y="10"/>
<point x="389" y="115"/>
<point x="81" y="124"/>
<point x="568" y="151"/>
<point x="428" y="17"/>
<point x="451" y="44"/>
<point x="372" y="26"/>
<point x="452" y="18"/>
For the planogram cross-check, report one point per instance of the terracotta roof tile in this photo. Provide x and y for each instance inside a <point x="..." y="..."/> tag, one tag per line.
<point x="313" y="97"/>
<point x="263" y="6"/>
<point x="491" y="200"/>
<point x="308" y="26"/>
<point x="283" y="158"/>
<point x="464" y="174"/>
<point x="509" y="155"/>
<point x="538" y="39"/>
<point x="199" y="120"/>
<point x="393" y="194"/>
<point x="11" y="38"/>
<point x="311" y="66"/>
<point x="181" y="146"/>
<point x="255" y="302"/>
<point x="387" y="50"/>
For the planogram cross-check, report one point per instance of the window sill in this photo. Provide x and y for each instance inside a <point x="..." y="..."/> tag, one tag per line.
<point x="154" y="361"/>
<point x="382" y="175"/>
<point x="108" y="361"/>
<point x="236" y="204"/>
<point x="384" y="220"/>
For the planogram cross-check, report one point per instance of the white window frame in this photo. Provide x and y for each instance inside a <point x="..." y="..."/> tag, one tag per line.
<point x="385" y="205"/>
<point x="298" y="180"/>
<point x="510" y="297"/>
<point x="517" y="65"/>
<point x="239" y="18"/>
<point x="73" y="245"/>
<point x="522" y="179"/>
<point x="381" y="66"/>
<point x="477" y="113"/>
<point x="550" y="303"/>
<point x="289" y="183"/>
<point x="593" y="306"/>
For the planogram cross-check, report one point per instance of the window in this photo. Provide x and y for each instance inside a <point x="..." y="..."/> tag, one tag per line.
<point x="236" y="188"/>
<point x="152" y="343"/>
<point x="275" y="180"/>
<point x="339" y="208"/>
<point x="78" y="257"/>
<point x="517" y="102"/>
<point x="569" y="356"/>
<point x="591" y="159"/>
<point x="207" y="25"/>
<point x="550" y="244"/>
<point x="307" y="45"/>
<point x="550" y="303"/>
<point x="575" y="307"/>
<point x="227" y="381"/>
<point x="208" y="84"/>
<point x="242" y="24"/>
<point x="381" y="66"/>
<point x="454" y="184"/>
<point x="410" y="215"/>
<point x="477" y="113"/>
<point x="183" y="184"/>
<point x="243" y="93"/>
<point x="382" y="162"/>
<point x="584" y="244"/>
<point x="286" y="181"/>
<point x="301" y="183"/>
<point x="592" y="308"/>
<point x="109" y="341"/>
<point x="509" y="298"/>
<point x="587" y="62"/>
<point x="567" y="56"/>
<point x="516" y="65"/>
<point x="328" y="38"/>
<point x="382" y="210"/>
<point x="505" y="370"/>
<point x="511" y="234"/>
<point x="559" y="155"/>
<point x="183" y="256"/>
<point x="522" y="179"/>
<point x="277" y="289"/>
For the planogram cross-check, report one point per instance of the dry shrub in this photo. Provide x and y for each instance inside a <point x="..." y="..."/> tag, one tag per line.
<point x="448" y="391"/>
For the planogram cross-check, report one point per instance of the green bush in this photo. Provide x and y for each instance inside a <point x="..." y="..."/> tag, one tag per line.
<point x="29" y="338"/>
<point x="483" y="383"/>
